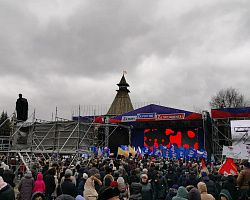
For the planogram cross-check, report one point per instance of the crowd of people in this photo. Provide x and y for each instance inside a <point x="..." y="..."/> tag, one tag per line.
<point x="124" y="179"/>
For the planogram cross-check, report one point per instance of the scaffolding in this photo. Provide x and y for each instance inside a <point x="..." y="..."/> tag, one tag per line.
<point x="52" y="139"/>
<point x="221" y="134"/>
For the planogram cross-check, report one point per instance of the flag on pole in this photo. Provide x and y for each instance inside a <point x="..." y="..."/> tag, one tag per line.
<point x="120" y="151"/>
<point x="99" y="152"/>
<point x="132" y="151"/>
<point x="228" y="167"/>
<point x="125" y="150"/>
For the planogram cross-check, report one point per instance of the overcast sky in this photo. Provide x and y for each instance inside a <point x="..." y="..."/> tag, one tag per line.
<point x="68" y="53"/>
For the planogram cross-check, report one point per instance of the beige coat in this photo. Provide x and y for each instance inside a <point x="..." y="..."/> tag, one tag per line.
<point x="203" y="190"/>
<point x="89" y="190"/>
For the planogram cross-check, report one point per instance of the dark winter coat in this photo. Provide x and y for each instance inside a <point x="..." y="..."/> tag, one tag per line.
<point x="147" y="191"/>
<point x="7" y="193"/>
<point x="135" y="191"/>
<point x="50" y="184"/>
<point x="25" y="187"/>
<point x="230" y="185"/>
<point x="211" y="187"/>
<point x="192" y="180"/>
<point x="8" y="177"/>
<point x="159" y="188"/>
<point x="69" y="188"/>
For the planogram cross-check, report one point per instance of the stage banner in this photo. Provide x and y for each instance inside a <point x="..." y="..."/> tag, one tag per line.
<point x="205" y="155"/>
<point x="181" y="153"/>
<point x="240" y="131"/>
<point x="174" y="151"/>
<point x="240" y="151"/>
<point x="145" y="150"/>
<point x="192" y="153"/>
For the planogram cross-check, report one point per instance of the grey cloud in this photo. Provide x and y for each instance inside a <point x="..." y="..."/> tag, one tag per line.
<point x="179" y="59"/>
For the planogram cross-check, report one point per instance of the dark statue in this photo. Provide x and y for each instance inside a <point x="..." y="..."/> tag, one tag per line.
<point x="22" y="108"/>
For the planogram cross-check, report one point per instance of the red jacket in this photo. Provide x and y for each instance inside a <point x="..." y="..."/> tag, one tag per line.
<point x="39" y="185"/>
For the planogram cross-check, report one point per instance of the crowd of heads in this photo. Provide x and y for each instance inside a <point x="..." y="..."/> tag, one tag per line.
<point x="126" y="178"/>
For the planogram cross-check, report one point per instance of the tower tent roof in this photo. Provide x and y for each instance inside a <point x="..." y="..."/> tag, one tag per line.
<point x="122" y="102"/>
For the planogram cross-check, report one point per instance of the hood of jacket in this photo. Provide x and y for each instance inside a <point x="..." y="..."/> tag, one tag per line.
<point x="39" y="176"/>
<point x="226" y="194"/>
<point x="202" y="187"/>
<point x="182" y="192"/>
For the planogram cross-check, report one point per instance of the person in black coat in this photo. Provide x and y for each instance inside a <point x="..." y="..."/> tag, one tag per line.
<point x="230" y="185"/>
<point x="211" y="187"/>
<point x="6" y="191"/>
<point x="49" y="181"/>
<point x="68" y="187"/>
<point x="8" y="176"/>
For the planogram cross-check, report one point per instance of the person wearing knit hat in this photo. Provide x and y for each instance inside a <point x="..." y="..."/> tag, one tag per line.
<point x="6" y="191"/>
<point x="225" y="195"/>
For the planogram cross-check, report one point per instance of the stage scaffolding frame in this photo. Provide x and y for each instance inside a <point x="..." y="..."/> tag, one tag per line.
<point x="219" y="137"/>
<point x="50" y="139"/>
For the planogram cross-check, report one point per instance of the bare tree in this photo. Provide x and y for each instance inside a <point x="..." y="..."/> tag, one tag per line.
<point x="228" y="98"/>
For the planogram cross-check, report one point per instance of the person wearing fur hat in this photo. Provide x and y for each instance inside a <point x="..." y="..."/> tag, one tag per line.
<point x="243" y="180"/>
<point x="26" y="186"/>
<point x="203" y="191"/>
<point x="6" y="191"/>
